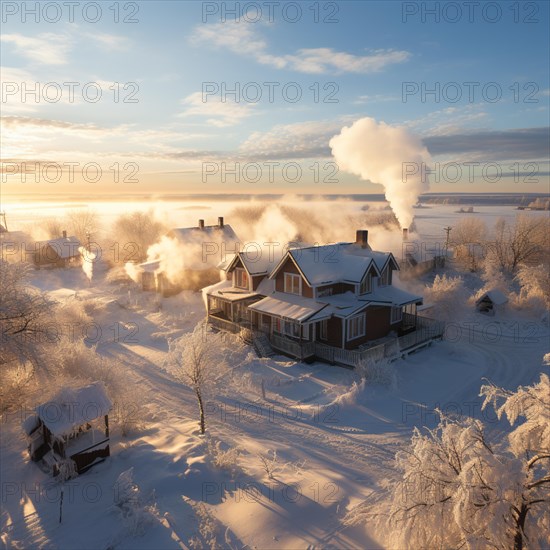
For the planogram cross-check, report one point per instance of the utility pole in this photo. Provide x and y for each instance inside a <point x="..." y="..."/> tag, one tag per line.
<point x="447" y="230"/>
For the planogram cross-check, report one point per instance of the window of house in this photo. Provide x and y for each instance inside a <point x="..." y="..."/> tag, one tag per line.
<point x="356" y="327"/>
<point x="396" y="314"/>
<point x="366" y="285"/>
<point x="290" y="328"/>
<point x="323" y="329"/>
<point x="327" y="291"/>
<point x="241" y="278"/>
<point x="293" y="284"/>
<point x="385" y="279"/>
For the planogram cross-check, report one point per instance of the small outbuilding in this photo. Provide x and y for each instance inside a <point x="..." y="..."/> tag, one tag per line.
<point x="491" y="301"/>
<point x="74" y="425"/>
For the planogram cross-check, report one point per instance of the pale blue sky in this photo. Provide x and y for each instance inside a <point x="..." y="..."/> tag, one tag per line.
<point x="362" y="61"/>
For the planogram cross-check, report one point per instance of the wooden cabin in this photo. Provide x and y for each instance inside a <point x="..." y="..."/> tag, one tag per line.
<point x="316" y="300"/>
<point x="205" y="246"/>
<point x="73" y="425"/>
<point x="61" y="252"/>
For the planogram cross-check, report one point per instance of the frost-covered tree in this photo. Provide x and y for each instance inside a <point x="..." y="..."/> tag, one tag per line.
<point x="139" y="228"/>
<point x="469" y="241"/>
<point x="192" y="361"/>
<point x="460" y="489"/>
<point x="448" y="295"/>
<point x="24" y="311"/>
<point x="525" y="241"/>
<point x="83" y="223"/>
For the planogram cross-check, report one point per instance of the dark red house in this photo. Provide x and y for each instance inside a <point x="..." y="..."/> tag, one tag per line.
<point x="333" y="302"/>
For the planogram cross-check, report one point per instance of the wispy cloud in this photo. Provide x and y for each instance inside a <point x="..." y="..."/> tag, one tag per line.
<point x="47" y="48"/>
<point x="243" y="40"/>
<point x="219" y="113"/>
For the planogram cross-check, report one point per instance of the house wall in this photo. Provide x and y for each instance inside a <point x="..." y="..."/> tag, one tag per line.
<point x="290" y="267"/>
<point x="378" y="322"/>
<point x="334" y="332"/>
<point x="46" y="255"/>
<point x="256" y="280"/>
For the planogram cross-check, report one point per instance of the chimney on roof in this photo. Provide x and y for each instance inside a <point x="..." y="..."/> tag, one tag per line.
<point x="405" y="234"/>
<point x="220" y="222"/>
<point x="64" y="234"/>
<point x="201" y="224"/>
<point x="362" y="238"/>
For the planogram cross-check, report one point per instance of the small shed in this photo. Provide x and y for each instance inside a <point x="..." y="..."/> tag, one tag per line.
<point x="74" y="425"/>
<point x="491" y="301"/>
<point x="60" y="252"/>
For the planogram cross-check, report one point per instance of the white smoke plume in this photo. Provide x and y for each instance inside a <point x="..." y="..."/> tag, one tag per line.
<point x="88" y="258"/>
<point x="378" y="152"/>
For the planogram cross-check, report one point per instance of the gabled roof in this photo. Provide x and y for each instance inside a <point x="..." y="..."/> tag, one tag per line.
<point x="255" y="262"/>
<point x="65" y="247"/>
<point x="341" y="262"/>
<point x="71" y="408"/>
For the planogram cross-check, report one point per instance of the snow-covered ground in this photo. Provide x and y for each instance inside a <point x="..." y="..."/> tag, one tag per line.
<point x="334" y="438"/>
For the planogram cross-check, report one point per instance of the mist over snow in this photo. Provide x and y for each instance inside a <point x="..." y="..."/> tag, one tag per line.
<point x="378" y="152"/>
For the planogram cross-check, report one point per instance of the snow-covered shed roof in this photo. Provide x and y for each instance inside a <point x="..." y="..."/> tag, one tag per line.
<point x="71" y="408"/>
<point x="65" y="247"/>
<point x="226" y="290"/>
<point x="495" y="295"/>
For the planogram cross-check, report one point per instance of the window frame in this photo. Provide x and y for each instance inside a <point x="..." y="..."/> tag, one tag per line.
<point x="393" y="318"/>
<point x="360" y="329"/>
<point x="293" y="277"/>
<point x="240" y="271"/>
<point x="367" y="281"/>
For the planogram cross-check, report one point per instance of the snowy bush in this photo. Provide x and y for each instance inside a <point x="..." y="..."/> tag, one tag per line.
<point x="534" y="292"/>
<point x="227" y="459"/>
<point x="448" y="295"/>
<point x="135" y="513"/>
<point x="380" y="373"/>
<point x="207" y="536"/>
<point x="271" y="464"/>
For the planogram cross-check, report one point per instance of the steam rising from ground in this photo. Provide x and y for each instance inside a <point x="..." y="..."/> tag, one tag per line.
<point x="88" y="258"/>
<point x="379" y="152"/>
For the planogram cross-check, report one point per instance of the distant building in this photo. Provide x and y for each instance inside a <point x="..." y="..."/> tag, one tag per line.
<point x="204" y="246"/>
<point x="72" y="425"/>
<point x="60" y="252"/>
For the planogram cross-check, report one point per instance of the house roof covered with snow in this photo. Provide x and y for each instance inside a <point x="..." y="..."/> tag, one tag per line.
<point x="65" y="247"/>
<point x="214" y="233"/>
<point x="288" y="306"/>
<point x="494" y="295"/>
<point x="341" y="262"/>
<point x="71" y="408"/>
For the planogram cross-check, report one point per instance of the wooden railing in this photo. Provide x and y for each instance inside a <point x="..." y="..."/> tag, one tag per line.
<point x="224" y="324"/>
<point x="426" y="330"/>
<point x="300" y="350"/>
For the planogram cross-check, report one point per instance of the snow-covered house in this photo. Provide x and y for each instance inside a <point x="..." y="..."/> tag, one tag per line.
<point x="317" y="301"/>
<point x="491" y="301"/>
<point x="74" y="425"/>
<point x="60" y="252"/>
<point x="202" y="246"/>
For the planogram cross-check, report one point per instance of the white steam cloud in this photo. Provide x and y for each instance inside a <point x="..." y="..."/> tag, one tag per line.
<point x="88" y="258"/>
<point x="378" y="152"/>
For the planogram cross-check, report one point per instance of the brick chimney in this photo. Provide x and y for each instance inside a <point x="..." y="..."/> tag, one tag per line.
<point x="405" y="234"/>
<point x="64" y="234"/>
<point x="201" y="225"/>
<point x="220" y="222"/>
<point x="362" y="238"/>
